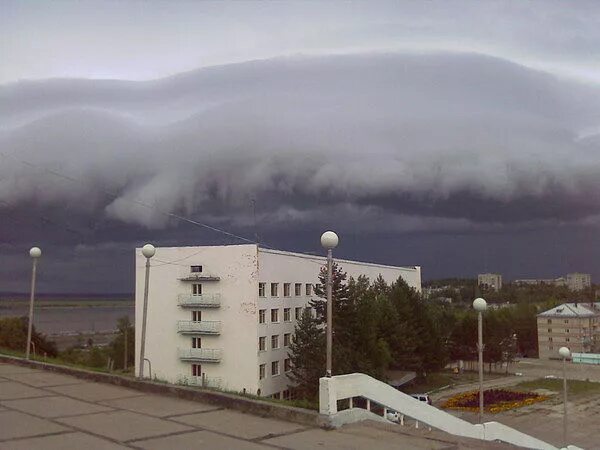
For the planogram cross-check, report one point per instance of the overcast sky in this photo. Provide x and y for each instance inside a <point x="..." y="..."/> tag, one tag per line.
<point x="459" y="136"/>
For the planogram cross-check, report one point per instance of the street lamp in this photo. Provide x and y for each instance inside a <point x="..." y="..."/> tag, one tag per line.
<point x="564" y="353"/>
<point x="148" y="251"/>
<point x="35" y="254"/>
<point x="480" y="306"/>
<point x="329" y="241"/>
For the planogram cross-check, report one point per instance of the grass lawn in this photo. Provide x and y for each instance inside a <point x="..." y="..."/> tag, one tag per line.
<point x="574" y="387"/>
<point x="437" y="380"/>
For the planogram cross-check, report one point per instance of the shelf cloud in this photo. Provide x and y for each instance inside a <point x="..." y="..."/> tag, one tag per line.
<point x="438" y="140"/>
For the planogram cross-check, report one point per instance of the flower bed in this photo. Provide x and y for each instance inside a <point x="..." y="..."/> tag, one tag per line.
<point x="494" y="400"/>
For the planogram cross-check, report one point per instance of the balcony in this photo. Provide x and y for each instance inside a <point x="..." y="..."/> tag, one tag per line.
<point x="199" y="301"/>
<point x="199" y="277"/>
<point x="200" y="354"/>
<point x="204" y="381"/>
<point x="203" y="327"/>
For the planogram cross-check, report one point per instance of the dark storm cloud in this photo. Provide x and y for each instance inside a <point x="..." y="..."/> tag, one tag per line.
<point x="442" y="141"/>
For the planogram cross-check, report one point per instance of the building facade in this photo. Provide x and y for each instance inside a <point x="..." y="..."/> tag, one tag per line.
<point x="574" y="281"/>
<point x="490" y="281"/>
<point x="223" y="316"/>
<point x="572" y="325"/>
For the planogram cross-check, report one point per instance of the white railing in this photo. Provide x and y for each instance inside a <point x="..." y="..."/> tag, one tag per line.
<point x="202" y="327"/>
<point x="353" y="385"/>
<point x="200" y="354"/>
<point x="204" y="300"/>
<point x="204" y="381"/>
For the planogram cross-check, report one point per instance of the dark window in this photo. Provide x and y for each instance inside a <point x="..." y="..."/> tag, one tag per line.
<point x="196" y="269"/>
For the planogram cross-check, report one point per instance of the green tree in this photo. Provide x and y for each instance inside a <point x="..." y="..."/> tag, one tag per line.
<point x="307" y="355"/>
<point x="13" y="336"/>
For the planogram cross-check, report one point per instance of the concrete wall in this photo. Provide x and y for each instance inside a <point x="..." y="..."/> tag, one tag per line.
<point x="236" y="266"/>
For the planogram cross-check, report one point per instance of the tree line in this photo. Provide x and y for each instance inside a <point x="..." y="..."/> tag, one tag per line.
<point x="379" y="327"/>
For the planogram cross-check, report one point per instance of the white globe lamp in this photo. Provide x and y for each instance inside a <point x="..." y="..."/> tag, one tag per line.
<point x="35" y="252"/>
<point x="329" y="240"/>
<point x="479" y="304"/>
<point x="148" y="250"/>
<point x="564" y="352"/>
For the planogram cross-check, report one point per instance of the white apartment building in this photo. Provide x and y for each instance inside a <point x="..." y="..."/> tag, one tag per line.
<point x="579" y="281"/>
<point x="490" y="280"/>
<point x="223" y="316"/>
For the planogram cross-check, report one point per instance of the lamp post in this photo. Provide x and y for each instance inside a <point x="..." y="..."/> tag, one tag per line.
<point x="148" y="251"/>
<point x="564" y="353"/>
<point x="329" y="241"/>
<point x="35" y="254"/>
<point x="480" y="306"/>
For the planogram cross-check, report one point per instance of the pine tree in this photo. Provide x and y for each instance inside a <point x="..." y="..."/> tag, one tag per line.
<point x="307" y="355"/>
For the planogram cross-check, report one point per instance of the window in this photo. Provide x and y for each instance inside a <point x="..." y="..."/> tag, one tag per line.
<point x="568" y="339"/>
<point x="261" y="315"/>
<point x="274" y="289"/>
<point x="318" y="287"/>
<point x="274" y="341"/>
<point x="549" y="330"/>
<point x="261" y="371"/>
<point x="196" y="269"/>
<point x="287" y="364"/>
<point x="287" y="316"/>
<point x="566" y="320"/>
<point x="286" y="289"/>
<point x="275" y="315"/>
<point x="298" y="289"/>
<point x="308" y="310"/>
<point x="275" y="368"/>
<point x="308" y="289"/>
<point x="567" y="330"/>
<point x="261" y="289"/>
<point x="286" y="339"/>
<point x="196" y="289"/>
<point x="550" y="339"/>
<point x="298" y="313"/>
<point x="262" y="343"/>
<point x="196" y="342"/>
<point x="276" y="396"/>
<point x="549" y="320"/>
<point x="196" y="370"/>
<point x="286" y="394"/>
<point x="196" y="316"/>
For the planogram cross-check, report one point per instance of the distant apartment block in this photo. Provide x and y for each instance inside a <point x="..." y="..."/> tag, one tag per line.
<point x="574" y="281"/>
<point x="224" y="316"/>
<point x="573" y="325"/>
<point x="490" y="281"/>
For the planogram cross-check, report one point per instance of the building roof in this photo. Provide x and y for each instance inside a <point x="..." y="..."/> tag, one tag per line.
<point x="572" y="310"/>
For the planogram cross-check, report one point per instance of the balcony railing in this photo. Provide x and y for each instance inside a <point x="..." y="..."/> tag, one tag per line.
<point x="202" y="327"/>
<point x="199" y="301"/>
<point x="204" y="381"/>
<point x="200" y="354"/>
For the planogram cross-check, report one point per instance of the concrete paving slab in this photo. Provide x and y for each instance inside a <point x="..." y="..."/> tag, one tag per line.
<point x="11" y="368"/>
<point x="200" y="440"/>
<point x="124" y="425"/>
<point x="54" y="406"/>
<point x="336" y="440"/>
<point x="42" y="379"/>
<point x="94" y="392"/>
<point x="155" y="405"/>
<point x="67" y="441"/>
<point x="16" y="425"/>
<point x="238" y="424"/>
<point x="13" y="390"/>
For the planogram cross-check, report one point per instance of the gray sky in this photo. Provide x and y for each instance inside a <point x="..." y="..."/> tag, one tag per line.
<point x="471" y="125"/>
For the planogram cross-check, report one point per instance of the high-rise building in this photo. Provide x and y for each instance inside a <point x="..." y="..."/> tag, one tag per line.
<point x="579" y="281"/>
<point x="224" y="316"/>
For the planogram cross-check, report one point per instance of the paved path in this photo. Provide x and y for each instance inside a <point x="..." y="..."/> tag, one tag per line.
<point x="47" y="410"/>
